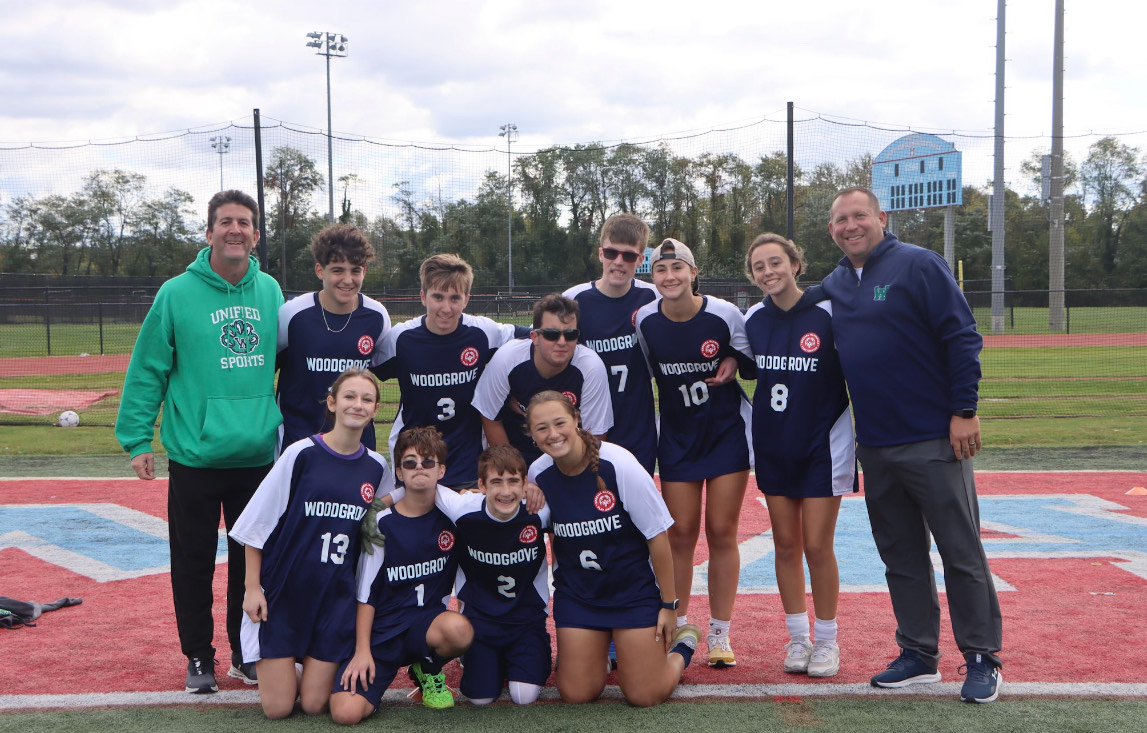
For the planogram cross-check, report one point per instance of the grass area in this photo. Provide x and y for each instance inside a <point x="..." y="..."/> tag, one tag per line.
<point x="66" y="339"/>
<point x="855" y="715"/>
<point x="1030" y="396"/>
<point x="1071" y="432"/>
<point x="1028" y="321"/>
<point x="1064" y="361"/>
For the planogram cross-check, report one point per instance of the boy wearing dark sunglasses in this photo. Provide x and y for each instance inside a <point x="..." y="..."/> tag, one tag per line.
<point x="403" y="587"/>
<point x="551" y="359"/>
<point x="607" y="307"/>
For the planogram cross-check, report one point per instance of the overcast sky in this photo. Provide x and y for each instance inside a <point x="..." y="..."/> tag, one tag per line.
<point x="564" y="71"/>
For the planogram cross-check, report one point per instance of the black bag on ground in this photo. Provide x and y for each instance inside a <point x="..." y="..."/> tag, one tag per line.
<point x="14" y="613"/>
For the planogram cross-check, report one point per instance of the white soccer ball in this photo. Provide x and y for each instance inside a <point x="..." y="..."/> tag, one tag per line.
<point x="68" y="419"/>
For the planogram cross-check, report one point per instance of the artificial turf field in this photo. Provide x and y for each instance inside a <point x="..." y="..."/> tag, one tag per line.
<point x="1068" y="552"/>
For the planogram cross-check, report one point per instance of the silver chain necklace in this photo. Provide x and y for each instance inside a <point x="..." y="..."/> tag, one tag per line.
<point x="324" y="312"/>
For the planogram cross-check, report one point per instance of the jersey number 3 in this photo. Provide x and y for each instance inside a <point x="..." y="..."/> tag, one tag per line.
<point x="447" y="406"/>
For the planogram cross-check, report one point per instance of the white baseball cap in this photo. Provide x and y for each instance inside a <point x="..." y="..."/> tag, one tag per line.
<point x="676" y="251"/>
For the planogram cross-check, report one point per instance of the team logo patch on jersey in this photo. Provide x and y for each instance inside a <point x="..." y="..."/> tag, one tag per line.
<point x="469" y="356"/>
<point x="633" y="318"/>
<point x="367" y="492"/>
<point x="709" y="348"/>
<point x="604" y="500"/>
<point x="446" y="540"/>
<point x="239" y="336"/>
<point x="529" y="535"/>
<point x="810" y="342"/>
<point x="571" y="397"/>
<point x="365" y="345"/>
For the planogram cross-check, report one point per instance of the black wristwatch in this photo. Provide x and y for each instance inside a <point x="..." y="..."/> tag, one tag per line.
<point x="671" y="605"/>
<point x="965" y="413"/>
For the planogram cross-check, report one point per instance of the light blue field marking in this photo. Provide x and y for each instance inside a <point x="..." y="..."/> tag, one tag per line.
<point x="1043" y="526"/>
<point x="103" y="542"/>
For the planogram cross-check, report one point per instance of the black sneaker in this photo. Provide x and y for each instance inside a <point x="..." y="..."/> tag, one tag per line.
<point x="982" y="679"/>
<point x="907" y="669"/>
<point x="245" y="673"/>
<point x="201" y="676"/>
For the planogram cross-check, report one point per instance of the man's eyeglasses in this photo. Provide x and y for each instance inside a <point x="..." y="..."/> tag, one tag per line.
<point x="552" y="334"/>
<point x="410" y="464"/>
<point x="611" y="254"/>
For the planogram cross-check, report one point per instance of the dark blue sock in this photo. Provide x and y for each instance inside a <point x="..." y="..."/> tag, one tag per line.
<point x="684" y="650"/>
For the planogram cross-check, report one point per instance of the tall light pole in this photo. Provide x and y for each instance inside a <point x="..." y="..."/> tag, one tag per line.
<point x="329" y="44"/>
<point x="222" y="144"/>
<point x="510" y="132"/>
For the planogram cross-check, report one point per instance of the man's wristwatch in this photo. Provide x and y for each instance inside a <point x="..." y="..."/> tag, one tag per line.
<point x="966" y="413"/>
<point x="671" y="605"/>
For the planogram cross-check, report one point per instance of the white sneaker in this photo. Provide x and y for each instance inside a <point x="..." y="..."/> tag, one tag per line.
<point x="797" y="653"/>
<point x="825" y="661"/>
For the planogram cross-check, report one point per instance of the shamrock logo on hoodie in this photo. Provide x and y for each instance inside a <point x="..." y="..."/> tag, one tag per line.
<point x="239" y="336"/>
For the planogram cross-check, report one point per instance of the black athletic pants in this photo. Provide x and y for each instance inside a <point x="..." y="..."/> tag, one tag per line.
<point x="194" y="498"/>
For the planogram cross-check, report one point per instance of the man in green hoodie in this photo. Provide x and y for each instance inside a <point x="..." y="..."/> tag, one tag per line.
<point x="206" y="353"/>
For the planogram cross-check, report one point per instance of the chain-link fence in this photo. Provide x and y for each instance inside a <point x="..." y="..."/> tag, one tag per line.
<point x="88" y="232"/>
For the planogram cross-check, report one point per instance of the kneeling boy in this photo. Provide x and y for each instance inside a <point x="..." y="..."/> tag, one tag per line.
<point x="502" y="583"/>
<point x="403" y="589"/>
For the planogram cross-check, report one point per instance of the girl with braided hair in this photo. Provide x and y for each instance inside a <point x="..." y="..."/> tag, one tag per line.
<point x="613" y="568"/>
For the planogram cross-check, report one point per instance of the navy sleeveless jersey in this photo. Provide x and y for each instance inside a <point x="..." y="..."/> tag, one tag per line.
<point x="601" y="558"/>
<point x="704" y="430"/>
<point x="607" y="327"/>
<point x="437" y="376"/>
<point x="415" y="570"/>
<point x="511" y="373"/>
<point x="305" y="516"/>
<point x="802" y="427"/>
<point x="502" y="574"/>
<point x="311" y="355"/>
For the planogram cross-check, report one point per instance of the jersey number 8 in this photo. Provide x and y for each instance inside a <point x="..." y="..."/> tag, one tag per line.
<point x="780" y="397"/>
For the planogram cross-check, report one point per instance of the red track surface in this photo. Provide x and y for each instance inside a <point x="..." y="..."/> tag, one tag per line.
<point x="1066" y="621"/>
<point x="34" y="366"/>
<point x="1067" y="339"/>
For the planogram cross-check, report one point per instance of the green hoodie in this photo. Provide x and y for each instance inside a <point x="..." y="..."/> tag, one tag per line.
<point x="206" y="351"/>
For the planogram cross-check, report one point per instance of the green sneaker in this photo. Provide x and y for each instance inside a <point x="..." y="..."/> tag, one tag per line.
<point x="435" y="693"/>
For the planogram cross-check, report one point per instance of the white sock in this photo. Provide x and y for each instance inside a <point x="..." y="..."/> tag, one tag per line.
<point x="718" y="627"/>
<point x="682" y="620"/>
<point x="524" y="693"/>
<point x="797" y="624"/>
<point x="825" y="630"/>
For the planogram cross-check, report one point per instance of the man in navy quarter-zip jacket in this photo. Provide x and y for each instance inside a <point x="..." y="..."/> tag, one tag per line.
<point x="910" y="352"/>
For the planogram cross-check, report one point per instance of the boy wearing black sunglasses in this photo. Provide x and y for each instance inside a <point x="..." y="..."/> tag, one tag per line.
<point x="608" y="306"/>
<point x="551" y="359"/>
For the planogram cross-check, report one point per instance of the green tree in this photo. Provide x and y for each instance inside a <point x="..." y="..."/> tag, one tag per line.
<point x="163" y="241"/>
<point x="1110" y="175"/>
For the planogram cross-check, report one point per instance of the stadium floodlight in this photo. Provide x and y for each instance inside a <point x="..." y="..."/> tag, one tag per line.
<point x="329" y="44"/>
<point x="510" y="132"/>
<point x="221" y="144"/>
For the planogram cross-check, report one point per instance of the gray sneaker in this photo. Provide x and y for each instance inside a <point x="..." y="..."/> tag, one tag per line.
<point x="797" y="653"/>
<point x="245" y="673"/>
<point x="201" y="676"/>
<point x="825" y="661"/>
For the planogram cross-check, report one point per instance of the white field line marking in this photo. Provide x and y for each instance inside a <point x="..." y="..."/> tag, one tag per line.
<point x="684" y="692"/>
